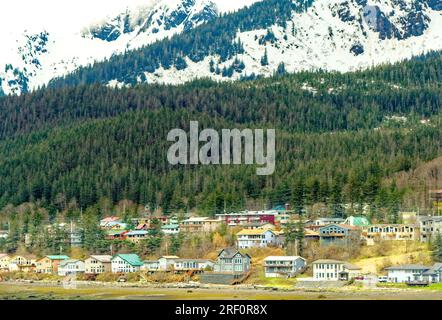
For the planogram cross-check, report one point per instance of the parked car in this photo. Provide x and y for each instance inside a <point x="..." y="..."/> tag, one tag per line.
<point x="383" y="279"/>
<point x="359" y="278"/>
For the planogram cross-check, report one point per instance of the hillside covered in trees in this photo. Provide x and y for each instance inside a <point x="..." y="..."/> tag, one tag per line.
<point x="339" y="136"/>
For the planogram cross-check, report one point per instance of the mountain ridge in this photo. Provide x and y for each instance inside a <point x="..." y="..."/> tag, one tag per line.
<point x="188" y="39"/>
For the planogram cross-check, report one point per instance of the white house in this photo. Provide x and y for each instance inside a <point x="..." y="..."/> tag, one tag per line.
<point x="150" y="265"/>
<point x="166" y="263"/>
<point x="406" y="273"/>
<point x="170" y="229"/>
<point x="334" y="270"/>
<point x="70" y="267"/>
<point x="192" y="264"/>
<point x="283" y="266"/>
<point x="326" y="221"/>
<point x="125" y="263"/>
<point x="430" y="227"/>
<point x="249" y="238"/>
<point x="97" y="264"/>
<point x="434" y="275"/>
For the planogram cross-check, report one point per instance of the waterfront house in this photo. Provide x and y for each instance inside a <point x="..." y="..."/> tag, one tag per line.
<point x="70" y="267"/>
<point x="150" y="265"/>
<point x="22" y="263"/>
<point x="170" y="229"/>
<point x="406" y="273"/>
<point x="125" y="263"/>
<point x="231" y="260"/>
<point x="434" y="274"/>
<point x="166" y="263"/>
<point x="398" y="232"/>
<point x="430" y="227"/>
<point x="49" y="264"/>
<point x="338" y="234"/>
<point x="199" y="225"/>
<point x="4" y="262"/>
<point x="198" y="265"/>
<point x="283" y="266"/>
<point x="257" y="238"/>
<point x="231" y="267"/>
<point x="334" y="270"/>
<point x="97" y="264"/>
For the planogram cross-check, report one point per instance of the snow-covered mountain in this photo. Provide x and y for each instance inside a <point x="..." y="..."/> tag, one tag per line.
<point x="334" y="35"/>
<point x="33" y="56"/>
<point x="341" y="35"/>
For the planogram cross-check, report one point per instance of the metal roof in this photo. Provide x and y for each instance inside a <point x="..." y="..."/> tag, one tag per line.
<point x="102" y="258"/>
<point x="65" y="262"/>
<point x="132" y="259"/>
<point x="58" y="257"/>
<point x="436" y="268"/>
<point x="408" y="267"/>
<point x="283" y="258"/>
<point x="250" y="232"/>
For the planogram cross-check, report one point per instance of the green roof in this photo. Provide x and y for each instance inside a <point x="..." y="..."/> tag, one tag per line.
<point x="360" y="221"/>
<point x="132" y="259"/>
<point x="59" y="257"/>
<point x="170" y="226"/>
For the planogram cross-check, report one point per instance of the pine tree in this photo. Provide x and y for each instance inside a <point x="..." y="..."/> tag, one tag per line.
<point x="265" y="59"/>
<point x="437" y="248"/>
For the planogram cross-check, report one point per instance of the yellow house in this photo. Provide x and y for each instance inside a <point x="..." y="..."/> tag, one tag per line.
<point x="22" y="263"/>
<point x="4" y="262"/>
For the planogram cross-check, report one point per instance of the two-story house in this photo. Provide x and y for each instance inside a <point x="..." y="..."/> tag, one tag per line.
<point x="434" y="274"/>
<point x="406" y="273"/>
<point x="334" y="270"/>
<point x="398" y="232"/>
<point x="170" y="229"/>
<point x="258" y="238"/>
<point x="70" y="267"/>
<point x="97" y="264"/>
<point x="136" y="236"/>
<point x="125" y="263"/>
<point x="230" y="260"/>
<point x="197" y="265"/>
<point x="430" y="227"/>
<point x="166" y="263"/>
<point x="323" y="221"/>
<point x="49" y="264"/>
<point x="339" y="234"/>
<point x="283" y="266"/>
<point x="150" y="265"/>
<point x="199" y="225"/>
<point x="22" y="263"/>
